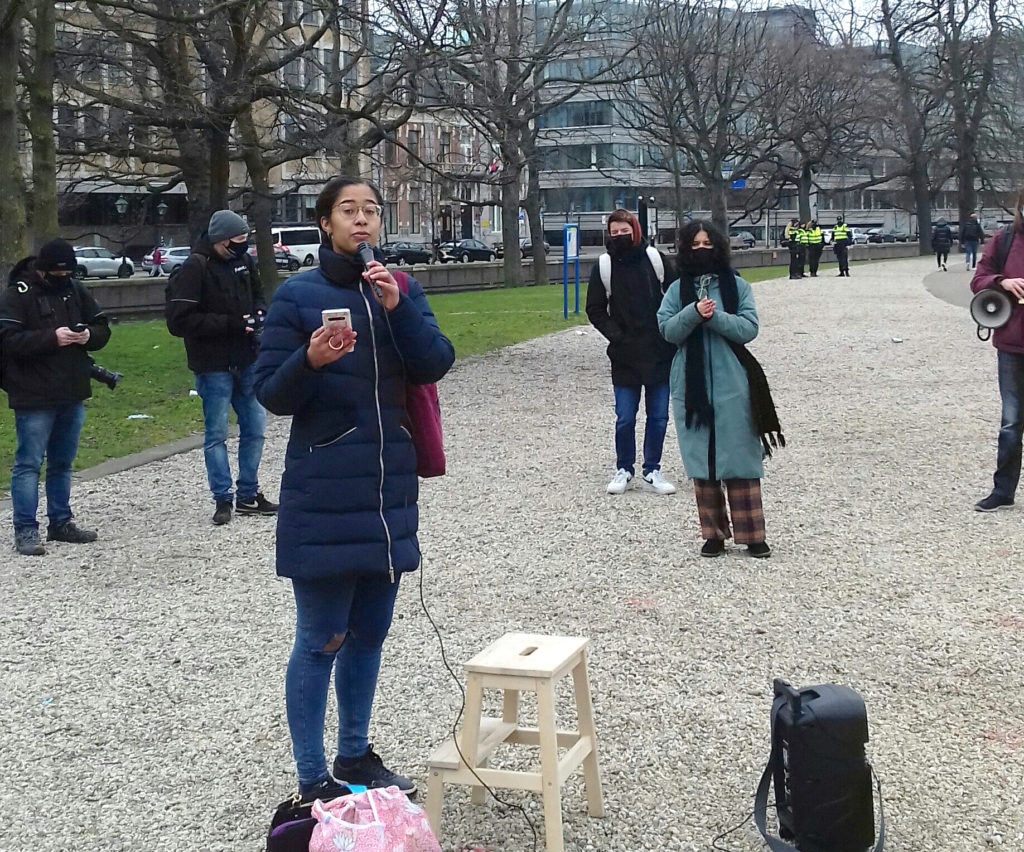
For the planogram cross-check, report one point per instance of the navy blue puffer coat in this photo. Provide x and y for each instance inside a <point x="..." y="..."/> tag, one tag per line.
<point x="348" y="494"/>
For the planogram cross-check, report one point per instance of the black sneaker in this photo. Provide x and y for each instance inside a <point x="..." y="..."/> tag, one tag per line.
<point x="370" y="771"/>
<point x="69" y="532"/>
<point x="760" y="550"/>
<point x="713" y="547"/>
<point x="26" y="542"/>
<point x="258" y="505"/>
<point x="223" y="513"/>
<point x="992" y="503"/>
<point x="323" y="790"/>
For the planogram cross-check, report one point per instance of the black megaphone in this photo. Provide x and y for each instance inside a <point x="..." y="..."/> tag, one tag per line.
<point x="990" y="309"/>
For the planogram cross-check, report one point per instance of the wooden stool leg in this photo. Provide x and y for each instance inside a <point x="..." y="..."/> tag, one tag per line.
<point x="585" y="714"/>
<point x="551" y="791"/>
<point x="510" y="706"/>
<point x="435" y="798"/>
<point x="469" y="736"/>
<point x="478" y="795"/>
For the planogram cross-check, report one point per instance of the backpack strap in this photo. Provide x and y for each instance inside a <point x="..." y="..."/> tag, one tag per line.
<point x="654" y="256"/>
<point x="401" y="279"/>
<point x="1003" y="247"/>
<point x="604" y="267"/>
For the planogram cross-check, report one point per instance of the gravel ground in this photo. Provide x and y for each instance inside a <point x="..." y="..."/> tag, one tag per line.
<point x="142" y="676"/>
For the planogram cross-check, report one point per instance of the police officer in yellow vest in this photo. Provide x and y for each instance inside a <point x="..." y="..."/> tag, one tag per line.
<point x="795" y="242"/>
<point x="841" y="239"/>
<point x="815" y="246"/>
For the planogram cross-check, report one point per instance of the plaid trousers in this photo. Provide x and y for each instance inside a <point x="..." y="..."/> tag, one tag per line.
<point x="745" y="503"/>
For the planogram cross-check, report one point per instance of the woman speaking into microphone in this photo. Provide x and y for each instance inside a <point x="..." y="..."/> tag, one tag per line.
<point x="347" y="525"/>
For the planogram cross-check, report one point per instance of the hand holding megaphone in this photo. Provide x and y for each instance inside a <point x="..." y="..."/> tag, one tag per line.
<point x="992" y="309"/>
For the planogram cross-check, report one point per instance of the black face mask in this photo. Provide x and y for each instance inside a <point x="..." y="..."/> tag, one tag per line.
<point x="238" y="249"/>
<point x="620" y="245"/>
<point x="56" y="280"/>
<point x="701" y="262"/>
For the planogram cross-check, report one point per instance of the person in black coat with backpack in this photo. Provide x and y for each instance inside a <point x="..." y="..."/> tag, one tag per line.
<point x="942" y="241"/>
<point x="623" y="296"/>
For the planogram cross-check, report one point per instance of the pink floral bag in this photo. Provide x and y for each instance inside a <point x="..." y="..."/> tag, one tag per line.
<point x="378" y="820"/>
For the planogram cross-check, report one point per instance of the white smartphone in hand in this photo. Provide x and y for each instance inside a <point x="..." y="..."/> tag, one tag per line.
<point x="336" y="318"/>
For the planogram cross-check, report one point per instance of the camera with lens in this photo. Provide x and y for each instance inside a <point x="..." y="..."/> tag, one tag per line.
<point x="102" y="374"/>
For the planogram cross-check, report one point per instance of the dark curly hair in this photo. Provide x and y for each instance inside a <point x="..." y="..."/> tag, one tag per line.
<point x="719" y="243"/>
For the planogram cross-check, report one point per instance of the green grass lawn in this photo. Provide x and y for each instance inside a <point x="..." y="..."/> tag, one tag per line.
<point x="157" y="382"/>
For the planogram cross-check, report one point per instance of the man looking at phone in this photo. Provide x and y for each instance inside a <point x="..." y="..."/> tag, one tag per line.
<point x="49" y="323"/>
<point x="216" y="303"/>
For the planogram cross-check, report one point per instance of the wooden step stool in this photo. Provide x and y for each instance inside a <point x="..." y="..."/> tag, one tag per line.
<point x="514" y="663"/>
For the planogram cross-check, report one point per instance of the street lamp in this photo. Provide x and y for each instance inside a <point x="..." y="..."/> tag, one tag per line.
<point x="161" y="211"/>
<point x="653" y="220"/>
<point x="121" y="206"/>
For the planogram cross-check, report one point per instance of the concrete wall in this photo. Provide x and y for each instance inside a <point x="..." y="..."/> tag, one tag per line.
<point x="141" y="296"/>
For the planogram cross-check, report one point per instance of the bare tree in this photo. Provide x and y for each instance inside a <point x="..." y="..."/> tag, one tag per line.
<point x="695" y="93"/>
<point x="13" y="242"/>
<point x="496" y="60"/>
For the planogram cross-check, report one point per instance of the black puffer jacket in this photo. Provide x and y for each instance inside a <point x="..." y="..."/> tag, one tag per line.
<point x="34" y="370"/>
<point x="638" y="352"/>
<point x="206" y="302"/>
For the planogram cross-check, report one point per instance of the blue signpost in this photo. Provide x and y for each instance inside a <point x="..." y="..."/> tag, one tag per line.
<point x="570" y="251"/>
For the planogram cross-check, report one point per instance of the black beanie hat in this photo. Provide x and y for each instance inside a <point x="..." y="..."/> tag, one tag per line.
<point x="56" y="256"/>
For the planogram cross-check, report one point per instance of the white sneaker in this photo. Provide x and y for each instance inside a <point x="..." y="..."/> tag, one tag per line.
<point x="657" y="483"/>
<point x="620" y="482"/>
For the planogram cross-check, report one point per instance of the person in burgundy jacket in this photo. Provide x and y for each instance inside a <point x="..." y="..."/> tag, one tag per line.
<point x="994" y="273"/>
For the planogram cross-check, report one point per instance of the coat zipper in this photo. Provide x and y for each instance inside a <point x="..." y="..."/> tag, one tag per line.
<point x="380" y="431"/>
<point x="712" y="449"/>
<point x="333" y="440"/>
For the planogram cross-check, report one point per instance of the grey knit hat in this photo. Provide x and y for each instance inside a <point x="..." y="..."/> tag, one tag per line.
<point x="225" y="224"/>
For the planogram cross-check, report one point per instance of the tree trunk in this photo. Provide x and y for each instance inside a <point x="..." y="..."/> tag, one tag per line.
<point x="540" y="259"/>
<point x="719" y="204"/>
<point x="806" y="180"/>
<point x="40" y="127"/>
<point x="219" y="139"/>
<point x="12" y="196"/>
<point x="261" y="207"/>
<point x="195" y="171"/>
<point x="966" y="172"/>
<point x="510" y="230"/>
<point x="922" y="202"/>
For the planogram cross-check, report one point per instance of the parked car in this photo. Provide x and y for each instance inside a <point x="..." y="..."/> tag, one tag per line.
<point x="398" y="253"/>
<point x="173" y="258"/>
<point x="463" y="251"/>
<point x="526" y="247"/>
<point x="98" y="262"/>
<point x="282" y="257"/>
<point x="741" y="239"/>
<point x="858" y="236"/>
<point x="881" y="235"/>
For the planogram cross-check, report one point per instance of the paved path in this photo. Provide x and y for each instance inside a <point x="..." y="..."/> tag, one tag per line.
<point x="143" y="676"/>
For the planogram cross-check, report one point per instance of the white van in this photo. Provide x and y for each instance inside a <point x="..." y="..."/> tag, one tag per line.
<point x="301" y="240"/>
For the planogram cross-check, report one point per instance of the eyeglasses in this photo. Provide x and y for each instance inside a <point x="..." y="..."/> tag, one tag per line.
<point x="350" y="211"/>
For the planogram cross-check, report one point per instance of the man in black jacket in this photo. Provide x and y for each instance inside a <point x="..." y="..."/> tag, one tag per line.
<point x="216" y="303"/>
<point x="972" y="235"/>
<point x="623" y="297"/>
<point x="49" y="323"/>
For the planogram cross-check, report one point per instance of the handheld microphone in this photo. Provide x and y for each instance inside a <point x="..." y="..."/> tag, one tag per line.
<point x="366" y="255"/>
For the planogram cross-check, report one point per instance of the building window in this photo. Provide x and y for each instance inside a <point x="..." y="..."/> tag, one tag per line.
<point x="412" y="142"/>
<point x="391" y="218"/>
<point x="414" y="210"/>
<point x="446" y="146"/>
<point x="67" y="127"/>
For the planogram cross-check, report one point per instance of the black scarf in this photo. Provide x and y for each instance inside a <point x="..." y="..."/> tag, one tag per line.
<point x="699" y="411"/>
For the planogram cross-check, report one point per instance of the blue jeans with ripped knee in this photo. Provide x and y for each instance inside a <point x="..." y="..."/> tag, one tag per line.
<point x="355" y="612"/>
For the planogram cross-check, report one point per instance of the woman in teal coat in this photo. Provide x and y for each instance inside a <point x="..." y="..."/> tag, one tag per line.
<point x="709" y="314"/>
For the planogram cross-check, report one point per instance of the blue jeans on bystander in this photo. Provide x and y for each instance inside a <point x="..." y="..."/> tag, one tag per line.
<point x="1011" y="430"/>
<point x="627" y="403"/>
<point x="340" y="623"/>
<point x="971" y="252"/>
<point x="51" y="433"/>
<point x="221" y="391"/>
